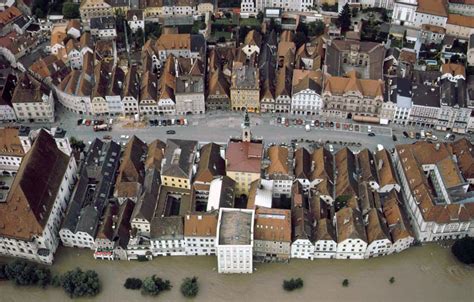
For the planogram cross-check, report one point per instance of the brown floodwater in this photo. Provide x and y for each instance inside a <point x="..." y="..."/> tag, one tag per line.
<point x="428" y="273"/>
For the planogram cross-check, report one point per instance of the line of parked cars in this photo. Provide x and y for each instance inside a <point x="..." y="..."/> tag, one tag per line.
<point x="169" y="122"/>
<point x="426" y="135"/>
<point x="319" y="124"/>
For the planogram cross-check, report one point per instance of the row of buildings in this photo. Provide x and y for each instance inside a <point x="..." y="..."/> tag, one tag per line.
<point x="243" y="202"/>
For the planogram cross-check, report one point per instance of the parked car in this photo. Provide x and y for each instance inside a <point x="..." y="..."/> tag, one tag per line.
<point x="163" y="122"/>
<point x="170" y="132"/>
<point x="107" y="137"/>
<point x="299" y="121"/>
<point x="79" y="122"/>
<point x="278" y="120"/>
<point x="287" y="123"/>
<point x="394" y="137"/>
<point x="5" y="187"/>
<point x="338" y="125"/>
<point x="88" y="122"/>
<point x="331" y="124"/>
<point x="405" y="134"/>
<point x="417" y="135"/>
<point x="316" y="123"/>
<point x="321" y="125"/>
<point x="283" y="120"/>
<point x="331" y="148"/>
<point x="452" y="137"/>
<point x="371" y="134"/>
<point x="411" y="134"/>
<point x="369" y="128"/>
<point x="326" y="124"/>
<point x="2" y="183"/>
<point x="312" y="124"/>
<point x="356" y="128"/>
<point x="351" y="127"/>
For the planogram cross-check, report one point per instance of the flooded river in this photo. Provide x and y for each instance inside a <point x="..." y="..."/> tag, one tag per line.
<point x="427" y="273"/>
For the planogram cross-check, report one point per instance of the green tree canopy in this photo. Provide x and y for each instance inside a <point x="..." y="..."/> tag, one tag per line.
<point x="190" y="287"/>
<point x="344" y="18"/>
<point x="71" y="10"/>
<point x="154" y="285"/>
<point x="463" y="249"/>
<point x="77" y="283"/>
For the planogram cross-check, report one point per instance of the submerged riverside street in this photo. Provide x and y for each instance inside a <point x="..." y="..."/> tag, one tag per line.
<point x="427" y="273"/>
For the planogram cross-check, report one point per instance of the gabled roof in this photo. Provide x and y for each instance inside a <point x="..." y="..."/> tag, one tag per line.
<point x="367" y="169"/>
<point x="322" y="162"/>
<point x="302" y="164"/>
<point x="350" y="83"/>
<point x="132" y="169"/>
<point x="278" y="156"/>
<point x="272" y="225"/>
<point x="179" y="158"/>
<point x="253" y="37"/>
<point x="201" y="225"/>
<point x="350" y="225"/>
<point x="156" y="153"/>
<point x="302" y="224"/>
<point x="146" y="204"/>
<point x="376" y="228"/>
<point x="345" y="165"/>
<point x="244" y="156"/>
<point x="324" y="230"/>
<point x="33" y="191"/>
<point x="211" y="164"/>
<point x="218" y="85"/>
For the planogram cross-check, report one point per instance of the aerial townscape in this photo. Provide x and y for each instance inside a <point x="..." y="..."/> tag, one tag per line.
<point x="253" y="131"/>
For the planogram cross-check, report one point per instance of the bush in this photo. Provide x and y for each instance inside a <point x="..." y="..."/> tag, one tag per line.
<point x="292" y="284"/>
<point x="56" y="281"/>
<point x="133" y="283"/>
<point x="3" y="275"/>
<point x="26" y="273"/>
<point x="345" y="283"/>
<point x="154" y="285"/>
<point x="190" y="287"/>
<point x="392" y="280"/>
<point x="77" y="283"/>
<point x="463" y="249"/>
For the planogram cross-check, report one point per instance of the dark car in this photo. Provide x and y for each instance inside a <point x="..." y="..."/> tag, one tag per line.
<point x="452" y="137"/>
<point x="170" y="132"/>
<point x="394" y="137"/>
<point x="417" y="135"/>
<point x="79" y="122"/>
<point x="371" y="134"/>
<point x="278" y="120"/>
<point x="152" y="123"/>
<point x="164" y="123"/>
<point x="405" y="134"/>
<point x="331" y="124"/>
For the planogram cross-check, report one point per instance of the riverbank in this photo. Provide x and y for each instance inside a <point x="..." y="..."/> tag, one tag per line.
<point x="428" y="273"/>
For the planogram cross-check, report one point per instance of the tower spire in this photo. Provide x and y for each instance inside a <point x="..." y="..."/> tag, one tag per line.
<point x="246" y="134"/>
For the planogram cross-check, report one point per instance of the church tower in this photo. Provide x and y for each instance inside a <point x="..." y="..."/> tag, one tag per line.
<point x="246" y="134"/>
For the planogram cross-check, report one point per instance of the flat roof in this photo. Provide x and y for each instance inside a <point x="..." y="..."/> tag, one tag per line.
<point x="235" y="227"/>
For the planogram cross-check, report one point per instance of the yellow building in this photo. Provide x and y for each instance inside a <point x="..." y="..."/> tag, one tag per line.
<point x="244" y="160"/>
<point x="245" y="90"/>
<point x="177" y="171"/>
<point x="94" y="8"/>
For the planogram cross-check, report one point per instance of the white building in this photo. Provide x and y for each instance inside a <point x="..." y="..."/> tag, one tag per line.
<point x="250" y="8"/>
<point x="136" y="20"/>
<point x="33" y="101"/>
<point x="234" y="238"/>
<point x="280" y="170"/>
<point x="167" y="236"/>
<point x="12" y="153"/>
<point x="378" y="237"/>
<point x="30" y="231"/>
<point x="131" y="92"/>
<point x="432" y="12"/>
<point x="351" y="236"/>
<point x="399" y="227"/>
<point x="404" y="12"/>
<point x="103" y="27"/>
<point x="325" y="245"/>
<point x="200" y="234"/>
<point x="302" y="245"/>
<point x="306" y="95"/>
<point x="438" y="209"/>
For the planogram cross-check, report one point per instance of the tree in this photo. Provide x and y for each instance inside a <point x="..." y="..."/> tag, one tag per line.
<point x="292" y="284"/>
<point x="56" y="281"/>
<point x="3" y="275"/>
<point x="344" y="18"/>
<point x="345" y="283"/>
<point x="70" y="10"/>
<point x="133" y="283"/>
<point x="154" y="285"/>
<point x="316" y="28"/>
<point x="391" y="280"/>
<point x="26" y="273"/>
<point x="463" y="249"/>
<point x="77" y="283"/>
<point x="152" y="30"/>
<point x="341" y="201"/>
<point x="190" y="287"/>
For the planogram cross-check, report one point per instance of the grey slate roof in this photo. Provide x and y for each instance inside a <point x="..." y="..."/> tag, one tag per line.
<point x="146" y="204"/>
<point x="88" y="202"/>
<point x="453" y="93"/>
<point x="179" y="158"/>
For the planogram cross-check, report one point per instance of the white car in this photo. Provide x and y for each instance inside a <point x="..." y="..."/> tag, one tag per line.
<point x="331" y="148"/>
<point x="369" y="128"/>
